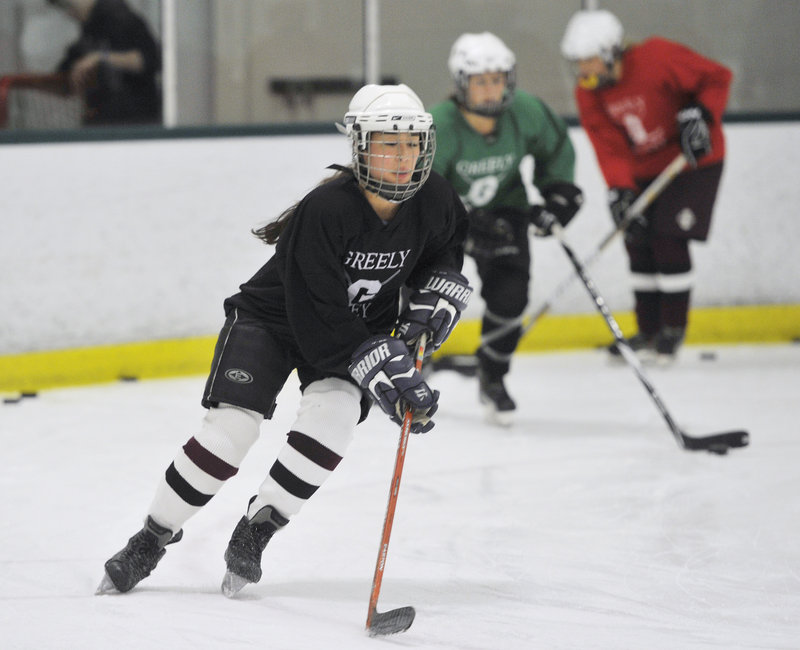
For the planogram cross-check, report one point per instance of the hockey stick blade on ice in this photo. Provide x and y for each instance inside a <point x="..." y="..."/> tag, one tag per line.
<point x="391" y="622"/>
<point x="400" y="619"/>
<point x="718" y="443"/>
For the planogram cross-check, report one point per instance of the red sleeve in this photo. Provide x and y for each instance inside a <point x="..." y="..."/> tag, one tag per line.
<point x="632" y="124"/>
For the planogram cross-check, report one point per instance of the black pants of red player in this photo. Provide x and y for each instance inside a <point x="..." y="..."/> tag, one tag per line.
<point x="660" y="260"/>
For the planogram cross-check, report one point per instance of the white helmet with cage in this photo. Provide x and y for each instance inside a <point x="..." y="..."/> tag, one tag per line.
<point x="392" y="109"/>
<point x="473" y="54"/>
<point x="592" y="33"/>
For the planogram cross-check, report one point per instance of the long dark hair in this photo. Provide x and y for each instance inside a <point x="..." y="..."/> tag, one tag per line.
<point x="271" y="232"/>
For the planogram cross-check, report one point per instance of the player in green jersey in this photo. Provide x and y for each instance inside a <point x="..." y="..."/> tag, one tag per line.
<point x="512" y="163"/>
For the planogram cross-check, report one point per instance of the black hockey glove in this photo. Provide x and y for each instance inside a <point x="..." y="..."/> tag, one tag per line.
<point x="561" y="203"/>
<point x="490" y="235"/>
<point x="620" y="200"/>
<point x="693" y="132"/>
<point x="434" y="308"/>
<point x="382" y="366"/>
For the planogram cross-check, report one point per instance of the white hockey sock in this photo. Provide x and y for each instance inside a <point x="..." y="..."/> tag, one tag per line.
<point x="204" y="463"/>
<point x="329" y="411"/>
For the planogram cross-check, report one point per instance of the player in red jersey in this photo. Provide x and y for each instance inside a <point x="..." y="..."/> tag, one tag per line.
<point x="641" y="106"/>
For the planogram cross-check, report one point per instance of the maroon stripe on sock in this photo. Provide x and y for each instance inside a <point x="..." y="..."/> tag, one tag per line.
<point x="313" y="450"/>
<point x="208" y="462"/>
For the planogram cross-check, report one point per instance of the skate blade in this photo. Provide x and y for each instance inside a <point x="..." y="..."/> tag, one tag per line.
<point x="106" y="587"/>
<point x="232" y="584"/>
<point x="499" y="418"/>
<point x="665" y="360"/>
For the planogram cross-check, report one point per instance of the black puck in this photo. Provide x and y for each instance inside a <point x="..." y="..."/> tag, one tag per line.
<point x="720" y="449"/>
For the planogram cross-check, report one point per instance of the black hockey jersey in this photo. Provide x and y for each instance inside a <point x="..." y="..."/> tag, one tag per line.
<point x="337" y="271"/>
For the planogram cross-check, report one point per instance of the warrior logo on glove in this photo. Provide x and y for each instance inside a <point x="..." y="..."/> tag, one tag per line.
<point x="383" y="367"/>
<point x="453" y="288"/>
<point x="435" y="308"/>
<point x="366" y="363"/>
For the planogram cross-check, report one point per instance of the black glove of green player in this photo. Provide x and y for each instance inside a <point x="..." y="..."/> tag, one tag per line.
<point x="561" y="203"/>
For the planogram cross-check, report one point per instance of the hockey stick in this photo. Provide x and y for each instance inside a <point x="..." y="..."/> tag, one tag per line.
<point x="717" y="443"/>
<point x="400" y="619"/>
<point x="642" y="202"/>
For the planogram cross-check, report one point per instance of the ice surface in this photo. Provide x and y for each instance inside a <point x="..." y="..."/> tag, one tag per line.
<point x="583" y="526"/>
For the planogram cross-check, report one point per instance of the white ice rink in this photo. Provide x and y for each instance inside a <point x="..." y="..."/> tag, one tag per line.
<point x="582" y="527"/>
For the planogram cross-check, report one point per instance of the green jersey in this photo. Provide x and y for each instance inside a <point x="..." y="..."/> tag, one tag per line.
<point x="486" y="171"/>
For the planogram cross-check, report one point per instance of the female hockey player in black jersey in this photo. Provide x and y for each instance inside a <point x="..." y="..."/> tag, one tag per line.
<point x="324" y="303"/>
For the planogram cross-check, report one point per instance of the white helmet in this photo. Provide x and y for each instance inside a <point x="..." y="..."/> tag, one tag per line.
<point x="473" y="54"/>
<point x="388" y="109"/>
<point x="592" y="33"/>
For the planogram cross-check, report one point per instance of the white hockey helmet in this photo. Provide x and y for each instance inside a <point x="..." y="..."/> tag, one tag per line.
<point x="592" y="33"/>
<point x="378" y="109"/>
<point x="473" y="54"/>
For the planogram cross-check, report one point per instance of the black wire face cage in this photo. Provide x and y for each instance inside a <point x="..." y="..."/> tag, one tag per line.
<point x="487" y="110"/>
<point x="367" y="166"/>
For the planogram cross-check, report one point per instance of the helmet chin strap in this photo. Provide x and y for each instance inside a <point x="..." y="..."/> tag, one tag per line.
<point x="595" y="81"/>
<point x="489" y="109"/>
<point x="589" y="83"/>
<point x="486" y="110"/>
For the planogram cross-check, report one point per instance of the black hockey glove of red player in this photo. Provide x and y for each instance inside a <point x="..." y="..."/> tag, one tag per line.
<point x="435" y="308"/>
<point x="382" y="366"/>
<point x="561" y="203"/>
<point x="693" y="131"/>
<point x="620" y="200"/>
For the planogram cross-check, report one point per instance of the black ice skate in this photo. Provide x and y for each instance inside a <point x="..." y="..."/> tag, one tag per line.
<point x="135" y="562"/>
<point x="243" y="555"/>
<point x="667" y="344"/>
<point x="642" y="344"/>
<point x="494" y="396"/>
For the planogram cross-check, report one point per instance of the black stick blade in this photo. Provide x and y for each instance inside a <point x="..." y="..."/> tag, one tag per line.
<point x="391" y="622"/>
<point x="718" y="443"/>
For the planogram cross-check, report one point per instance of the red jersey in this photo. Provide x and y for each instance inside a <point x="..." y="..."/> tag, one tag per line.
<point x="632" y="124"/>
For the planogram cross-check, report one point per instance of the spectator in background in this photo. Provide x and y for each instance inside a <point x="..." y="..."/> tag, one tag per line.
<point x="641" y="107"/>
<point x="487" y="132"/>
<point x="114" y="64"/>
